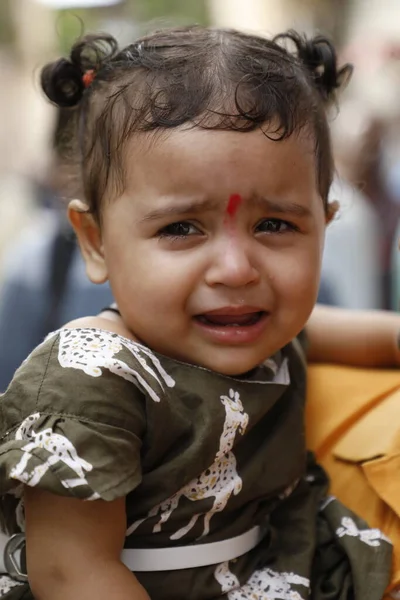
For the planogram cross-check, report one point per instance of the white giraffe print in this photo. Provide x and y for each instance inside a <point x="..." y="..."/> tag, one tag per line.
<point x="90" y="350"/>
<point x="6" y="584"/>
<point x="219" y="481"/>
<point x="371" y="537"/>
<point x="264" y="584"/>
<point x="60" y="449"/>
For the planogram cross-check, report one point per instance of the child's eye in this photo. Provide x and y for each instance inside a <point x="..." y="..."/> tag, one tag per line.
<point x="275" y="226"/>
<point x="180" y="229"/>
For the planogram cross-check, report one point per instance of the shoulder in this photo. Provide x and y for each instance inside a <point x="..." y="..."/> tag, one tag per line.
<point x="94" y="354"/>
<point x="102" y="346"/>
<point x="82" y="371"/>
<point x="106" y="321"/>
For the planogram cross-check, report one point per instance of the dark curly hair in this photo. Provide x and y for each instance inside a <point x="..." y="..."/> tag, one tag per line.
<point x="210" y="78"/>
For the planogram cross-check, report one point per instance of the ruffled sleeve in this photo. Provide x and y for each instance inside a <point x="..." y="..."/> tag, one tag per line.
<point x="73" y="418"/>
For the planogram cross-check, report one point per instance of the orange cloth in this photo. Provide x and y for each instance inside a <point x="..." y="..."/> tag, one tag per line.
<point x="353" y="426"/>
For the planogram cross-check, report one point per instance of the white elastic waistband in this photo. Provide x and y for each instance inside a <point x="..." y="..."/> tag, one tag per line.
<point x="171" y="559"/>
<point x="186" y="557"/>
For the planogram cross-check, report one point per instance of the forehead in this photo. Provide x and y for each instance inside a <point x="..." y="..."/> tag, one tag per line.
<point x="217" y="164"/>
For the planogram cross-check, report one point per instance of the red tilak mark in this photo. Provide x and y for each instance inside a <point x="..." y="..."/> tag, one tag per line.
<point x="233" y="205"/>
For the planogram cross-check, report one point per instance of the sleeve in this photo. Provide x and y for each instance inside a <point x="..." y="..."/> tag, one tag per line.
<point x="73" y="418"/>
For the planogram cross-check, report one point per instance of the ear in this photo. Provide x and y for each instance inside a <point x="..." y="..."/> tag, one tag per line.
<point x="331" y="211"/>
<point x="89" y="237"/>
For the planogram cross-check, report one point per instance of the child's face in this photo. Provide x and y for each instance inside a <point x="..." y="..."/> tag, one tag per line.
<point x="213" y="251"/>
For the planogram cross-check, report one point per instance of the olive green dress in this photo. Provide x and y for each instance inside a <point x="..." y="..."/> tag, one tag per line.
<point x="200" y="457"/>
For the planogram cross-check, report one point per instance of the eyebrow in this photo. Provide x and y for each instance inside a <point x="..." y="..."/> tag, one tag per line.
<point x="283" y="208"/>
<point x="208" y="205"/>
<point x="192" y="207"/>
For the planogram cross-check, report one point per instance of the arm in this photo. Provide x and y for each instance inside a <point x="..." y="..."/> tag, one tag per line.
<point x="352" y="337"/>
<point x="73" y="549"/>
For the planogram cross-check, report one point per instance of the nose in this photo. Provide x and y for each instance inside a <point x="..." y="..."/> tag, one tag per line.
<point x="232" y="266"/>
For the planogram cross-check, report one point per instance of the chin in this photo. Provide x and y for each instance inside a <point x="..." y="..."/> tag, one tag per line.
<point x="233" y="368"/>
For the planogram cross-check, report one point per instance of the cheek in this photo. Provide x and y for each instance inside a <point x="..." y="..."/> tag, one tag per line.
<point x="150" y="278"/>
<point x="295" y="276"/>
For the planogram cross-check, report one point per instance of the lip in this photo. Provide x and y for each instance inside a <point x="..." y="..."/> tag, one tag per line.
<point x="233" y="335"/>
<point x="235" y="310"/>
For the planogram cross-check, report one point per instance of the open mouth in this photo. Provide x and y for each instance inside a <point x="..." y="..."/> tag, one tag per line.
<point x="221" y="320"/>
<point x="233" y="326"/>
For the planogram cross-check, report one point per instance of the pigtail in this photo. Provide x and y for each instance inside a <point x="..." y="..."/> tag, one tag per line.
<point x="65" y="80"/>
<point x="319" y="57"/>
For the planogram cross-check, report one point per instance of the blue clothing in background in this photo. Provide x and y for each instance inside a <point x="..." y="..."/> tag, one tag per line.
<point x="25" y="298"/>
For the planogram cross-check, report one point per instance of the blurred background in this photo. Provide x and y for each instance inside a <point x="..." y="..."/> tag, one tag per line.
<point x="42" y="279"/>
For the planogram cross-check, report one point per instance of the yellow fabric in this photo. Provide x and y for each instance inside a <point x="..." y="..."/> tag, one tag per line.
<point x="353" y="426"/>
